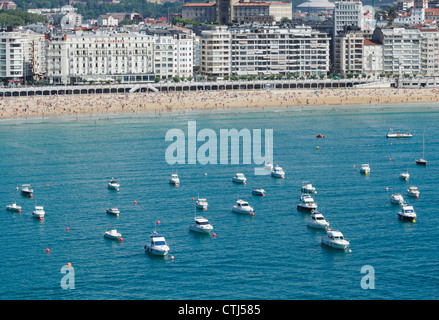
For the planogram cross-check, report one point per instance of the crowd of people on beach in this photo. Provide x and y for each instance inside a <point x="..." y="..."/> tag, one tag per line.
<point x="157" y="103"/>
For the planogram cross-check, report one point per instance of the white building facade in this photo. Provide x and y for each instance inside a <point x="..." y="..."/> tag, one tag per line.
<point x="123" y="57"/>
<point x="22" y="56"/>
<point x="347" y="13"/>
<point x="299" y="51"/>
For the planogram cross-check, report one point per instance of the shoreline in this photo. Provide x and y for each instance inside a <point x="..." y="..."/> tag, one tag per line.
<point x="169" y="103"/>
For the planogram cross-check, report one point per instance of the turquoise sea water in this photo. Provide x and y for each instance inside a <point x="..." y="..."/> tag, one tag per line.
<point x="272" y="255"/>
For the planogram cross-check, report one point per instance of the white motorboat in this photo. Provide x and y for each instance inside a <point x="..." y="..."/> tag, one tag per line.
<point x="407" y="213"/>
<point x="174" y="179"/>
<point x="307" y="203"/>
<point x="239" y="178"/>
<point x="113" y="185"/>
<point x="404" y="176"/>
<point x="413" y="192"/>
<point x="201" y="204"/>
<point x="390" y="134"/>
<point x="365" y="168"/>
<point x="201" y="225"/>
<point x="38" y="212"/>
<point x="258" y="192"/>
<point x="242" y="206"/>
<point x="278" y="172"/>
<point x="397" y="198"/>
<point x="335" y="239"/>
<point x="112" y="234"/>
<point x="13" y="207"/>
<point x="26" y="190"/>
<point x="113" y="211"/>
<point x="158" y="245"/>
<point x="317" y="221"/>
<point x="308" y="188"/>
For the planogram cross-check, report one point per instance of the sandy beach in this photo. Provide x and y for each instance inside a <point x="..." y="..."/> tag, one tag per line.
<point x="162" y="102"/>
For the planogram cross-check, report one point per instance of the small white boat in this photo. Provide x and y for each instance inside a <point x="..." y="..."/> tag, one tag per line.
<point x="335" y="239"/>
<point x="239" y="178"/>
<point x="38" y="212"/>
<point x="13" y="207"/>
<point x="201" y="204"/>
<point x="258" y="192"/>
<point x="365" y="168"/>
<point x="413" y="192"/>
<point x="390" y="134"/>
<point x="404" y="176"/>
<point x="158" y="245"/>
<point x="397" y="198"/>
<point x="201" y="225"/>
<point x="317" y="221"/>
<point x="113" y="185"/>
<point x="308" y="188"/>
<point x="112" y="234"/>
<point x="114" y="211"/>
<point x="174" y="179"/>
<point x="26" y="190"/>
<point x="407" y="213"/>
<point x="278" y="172"/>
<point x="307" y="203"/>
<point x="242" y="206"/>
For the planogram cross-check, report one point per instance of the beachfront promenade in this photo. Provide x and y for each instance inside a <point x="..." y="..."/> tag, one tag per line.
<point x="171" y="86"/>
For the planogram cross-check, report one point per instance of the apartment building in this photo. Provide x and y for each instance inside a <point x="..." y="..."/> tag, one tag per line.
<point x="401" y="50"/>
<point x="347" y="13"/>
<point x="272" y="50"/>
<point x="245" y="51"/>
<point x="22" y="55"/>
<point x="216" y="52"/>
<point x="173" y="52"/>
<point x="349" y="51"/>
<point x="429" y="51"/>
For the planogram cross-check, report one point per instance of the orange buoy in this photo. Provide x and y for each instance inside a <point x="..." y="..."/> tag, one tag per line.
<point x="69" y="264"/>
<point x="387" y="189"/>
<point x="193" y="199"/>
<point x="390" y="159"/>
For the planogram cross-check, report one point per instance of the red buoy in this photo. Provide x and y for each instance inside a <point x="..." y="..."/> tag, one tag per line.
<point x="253" y="214"/>
<point x="47" y="250"/>
<point x="135" y="202"/>
<point x="158" y="222"/>
<point x="67" y="229"/>
<point x="120" y="239"/>
<point x="214" y="234"/>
